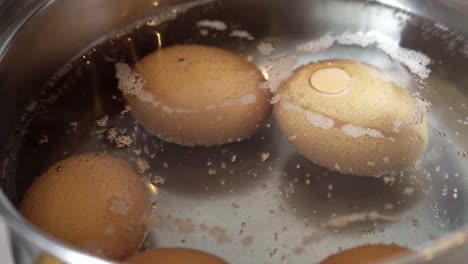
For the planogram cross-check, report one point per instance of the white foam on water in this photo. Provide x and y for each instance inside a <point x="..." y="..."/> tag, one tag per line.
<point x="103" y="121"/>
<point x="212" y="24"/>
<point x="315" y="46"/>
<point x="275" y="99"/>
<point x="292" y="107"/>
<point x="441" y="26"/>
<point x="248" y="98"/>
<point x="279" y="71"/>
<point x="241" y="34"/>
<point x="132" y="83"/>
<point x="314" y="119"/>
<point x="360" y="217"/>
<point x="415" y="61"/>
<point x="422" y="107"/>
<point x="265" y="48"/>
<point x="357" y="131"/>
<point x="319" y="121"/>
<point x="142" y="165"/>
<point x="204" y="32"/>
<point x="464" y="50"/>
<point x="31" y="107"/>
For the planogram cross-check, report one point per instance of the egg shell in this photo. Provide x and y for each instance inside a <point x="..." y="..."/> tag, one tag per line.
<point x="95" y="202"/>
<point x="204" y="96"/>
<point x="352" y="132"/>
<point x="174" y="256"/>
<point x="367" y="254"/>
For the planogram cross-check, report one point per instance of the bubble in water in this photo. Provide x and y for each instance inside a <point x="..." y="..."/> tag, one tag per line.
<point x="74" y="126"/>
<point x="43" y="139"/>
<point x="409" y="191"/>
<point x="415" y="61"/>
<point x="264" y="156"/>
<point x="444" y="190"/>
<point x="273" y="253"/>
<point x="103" y="121"/>
<point x="212" y="24"/>
<point x="440" y="149"/>
<point x="158" y="180"/>
<point x="436" y="210"/>
<point x="265" y="48"/>
<point x="389" y="206"/>
<point x="233" y="158"/>
<point x="142" y="165"/>
<point x="123" y="141"/>
<point x="357" y="132"/>
<point x="241" y="34"/>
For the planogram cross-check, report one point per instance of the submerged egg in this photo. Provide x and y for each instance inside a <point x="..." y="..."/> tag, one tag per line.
<point x="367" y="254"/>
<point x="196" y="95"/>
<point x="349" y="117"/>
<point x="95" y="202"/>
<point x="174" y="256"/>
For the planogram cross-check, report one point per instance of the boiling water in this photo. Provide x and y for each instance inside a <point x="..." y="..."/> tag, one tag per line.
<point x="258" y="201"/>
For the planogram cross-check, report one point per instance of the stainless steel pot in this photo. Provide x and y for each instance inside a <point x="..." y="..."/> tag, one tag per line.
<point x="38" y="37"/>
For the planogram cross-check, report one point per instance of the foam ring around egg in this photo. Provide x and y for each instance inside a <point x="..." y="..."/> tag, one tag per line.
<point x="351" y="118"/>
<point x="198" y="96"/>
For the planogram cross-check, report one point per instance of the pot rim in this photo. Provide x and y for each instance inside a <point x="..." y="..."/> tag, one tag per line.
<point x="50" y="246"/>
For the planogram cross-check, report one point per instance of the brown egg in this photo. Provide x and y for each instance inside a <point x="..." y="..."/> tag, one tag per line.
<point x="174" y="256"/>
<point x="367" y="254"/>
<point x="197" y="96"/>
<point x="349" y="117"/>
<point x="47" y="259"/>
<point x="95" y="202"/>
